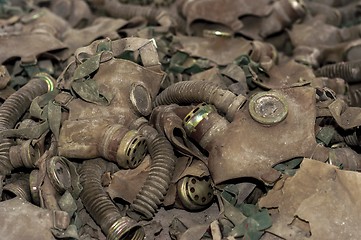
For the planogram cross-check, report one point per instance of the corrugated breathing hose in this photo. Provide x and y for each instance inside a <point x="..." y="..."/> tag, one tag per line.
<point x="153" y="15"/>
<point x="352" y="138"/>
<point x="100" y="206"/>
<point x="349" y="71"/>
<point x="14" y="107"/>
<point x="161" y="172"/>
<point x="128" y="11"/>
<point x="198" y="91"/>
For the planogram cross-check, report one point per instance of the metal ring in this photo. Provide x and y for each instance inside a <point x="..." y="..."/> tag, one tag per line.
<point x="268" y="107"/>
<point x="197" y="115"/>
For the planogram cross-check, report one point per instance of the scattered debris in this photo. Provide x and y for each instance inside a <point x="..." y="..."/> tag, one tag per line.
<point x="180" y="119"/>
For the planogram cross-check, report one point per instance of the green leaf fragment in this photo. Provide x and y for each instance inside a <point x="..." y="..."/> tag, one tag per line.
<point x="233" y="214"/>
<point x="248" y="220"/>
<point x="289" y="167"/>
<point x="88" y="67"/>
<point x="88" y="91"/>
<point x="252" y="228"/>
<point x="248" y="209"/>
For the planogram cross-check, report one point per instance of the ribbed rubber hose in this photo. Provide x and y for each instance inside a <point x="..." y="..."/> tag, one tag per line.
<point x="349" y="71"/>
<point x="100" y="206"/>
<point x="352" y="138"/>
<point x="160" y="174"/>
<point x="184" y="93"/>
<point x="127" y="11"/>
<point x="153" y="15"/>
<point x="10" y="113"/>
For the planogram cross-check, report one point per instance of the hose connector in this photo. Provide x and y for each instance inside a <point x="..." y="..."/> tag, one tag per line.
<point x="125" y="228"/>
<point x="203" y="124"/>
<point x="24" y="155"/>
<point x="18" y="188"/>
<point x="125" y="147"/>
<point x="50" y="81"/>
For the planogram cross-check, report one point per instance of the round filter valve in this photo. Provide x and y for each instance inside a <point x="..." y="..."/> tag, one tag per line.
<point x="132" y="150"/>
<point x="268" y="107"/>
<point x="195" y="193"/>
<point x="59" y="174"/>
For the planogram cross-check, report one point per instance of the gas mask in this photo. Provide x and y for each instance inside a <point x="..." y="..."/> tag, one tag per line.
<point x="243" y="17"/>
<point x="98" y="124"/>
<point x="272" y="127"/>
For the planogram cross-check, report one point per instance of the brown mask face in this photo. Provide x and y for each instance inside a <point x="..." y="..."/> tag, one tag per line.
<point x="98" y="124"/>
<point x="274" y="126"/>
<point x="36" y="222"/>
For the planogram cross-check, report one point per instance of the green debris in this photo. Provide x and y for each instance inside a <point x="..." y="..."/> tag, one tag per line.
<point x="244" y="220"/>
<point x="248" y="220"/>
<point x="289" y="167"/>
